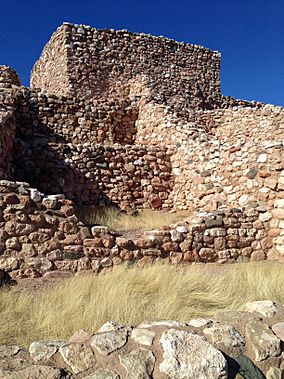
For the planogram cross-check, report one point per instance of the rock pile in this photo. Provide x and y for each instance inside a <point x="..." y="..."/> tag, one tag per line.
<point x="235" y="344"/>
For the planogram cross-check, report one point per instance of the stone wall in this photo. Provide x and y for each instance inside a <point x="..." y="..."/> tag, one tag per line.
<point x="7" y="134"/>
<point x="47" y="117"/>
<point x="230" y="345"/>
<point x="119" y="64"/>
<point x="8" y="77"/>
<point x="127" y="176"/>
<point x="42" y="234"/>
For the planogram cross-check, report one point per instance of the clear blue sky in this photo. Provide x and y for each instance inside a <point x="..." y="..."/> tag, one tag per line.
<point x="248" y="33"/>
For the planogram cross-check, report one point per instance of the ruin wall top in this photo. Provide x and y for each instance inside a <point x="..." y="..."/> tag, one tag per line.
<point x="85" y="62"/>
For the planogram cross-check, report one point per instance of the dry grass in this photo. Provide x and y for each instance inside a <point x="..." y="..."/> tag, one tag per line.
<point x="146" y="219"/>
<point x="133" y="295"/>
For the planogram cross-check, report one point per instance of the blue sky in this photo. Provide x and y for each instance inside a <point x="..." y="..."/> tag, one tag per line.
<point x="248" y="33"/>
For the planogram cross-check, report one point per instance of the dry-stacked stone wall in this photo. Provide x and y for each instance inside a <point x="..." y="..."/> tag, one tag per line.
<point x="71" y="120"/>
<point x="8" y="77"/>
<point x="42" y="235"/>
<point x="119" y="64"/>
<point x="127" y="176"/>
<point x="234" y="344"/>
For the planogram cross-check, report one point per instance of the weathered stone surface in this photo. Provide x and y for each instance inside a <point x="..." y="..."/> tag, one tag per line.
<point x="186" y="355"/>
<point x="143" y="336"/>
<point x="108" y="342"/>
<point x="44" y="350"/>
<point x="265" y="308"/>
<point x="80" y="357"/>
<point x="224" y="334"/>
<point x="139" y="364"/>
<point x="264" y="343"/>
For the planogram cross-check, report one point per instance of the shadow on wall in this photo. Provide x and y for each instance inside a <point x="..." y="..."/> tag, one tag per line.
<point x="45" y="159"/>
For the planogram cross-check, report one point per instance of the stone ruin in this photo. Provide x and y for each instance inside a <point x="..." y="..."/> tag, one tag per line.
<point x="114" y="118"/>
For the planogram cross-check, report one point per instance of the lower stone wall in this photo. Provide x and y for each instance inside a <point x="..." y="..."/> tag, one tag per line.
<point x="231" y="344"/>
<point x="41" y="235"/>
<point x="126" y="176"/>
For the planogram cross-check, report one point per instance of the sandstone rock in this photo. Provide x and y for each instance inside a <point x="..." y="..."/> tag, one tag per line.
<point x="108" y="342"/>
<point x="44" y="350"/>
<point x="138" y="364"/>
<point x="78" y="356"/>
<point x="187" y="355"/>
<point x="264" y="343"/>
<point x="143" y="336"/>
<point x="265" y="308"/>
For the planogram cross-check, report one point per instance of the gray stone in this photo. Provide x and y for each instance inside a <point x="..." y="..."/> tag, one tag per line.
<point x="139" y="364"/>
<point x="264" y="343"/>
<point x="108" y="342"/>
<point x="44" y="350"/>
<point x="78" y="356"/>
<point x="265" y="308"/>
<point x="235" y="317"/>
<point x="224" y="334"/>
<point x="143" y="336"/>
<point x="187" y="355"/>
<point x="210" y="223"/>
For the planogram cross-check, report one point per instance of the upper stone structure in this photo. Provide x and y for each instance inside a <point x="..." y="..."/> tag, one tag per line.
<point x="89" y="63"/>
<point x="134" y="121"/>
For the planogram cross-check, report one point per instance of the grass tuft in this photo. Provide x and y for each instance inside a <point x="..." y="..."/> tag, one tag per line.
<point x="133" y="295"/>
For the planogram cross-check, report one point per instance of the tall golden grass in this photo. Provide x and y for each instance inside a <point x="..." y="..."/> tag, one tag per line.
<point x="133" y="295"/>
<point x="145" y="219"/>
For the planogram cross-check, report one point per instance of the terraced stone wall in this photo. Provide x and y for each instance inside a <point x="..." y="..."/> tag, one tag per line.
<point x="119" y="64"/>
